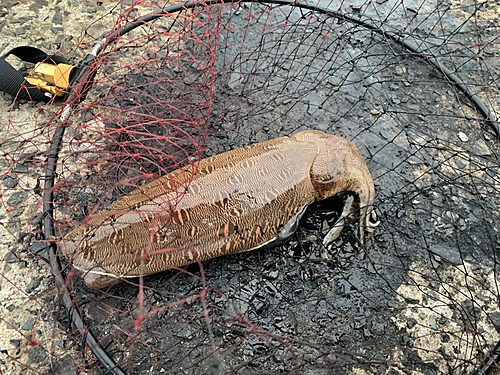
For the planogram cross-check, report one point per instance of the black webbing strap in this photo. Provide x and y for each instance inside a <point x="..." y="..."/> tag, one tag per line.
<point x="12" y="81"/>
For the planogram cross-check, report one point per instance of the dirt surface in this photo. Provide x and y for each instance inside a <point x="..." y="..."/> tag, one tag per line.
<point x="420" y="297"/>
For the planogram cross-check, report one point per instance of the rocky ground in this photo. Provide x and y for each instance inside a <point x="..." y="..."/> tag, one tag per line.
<point x="420" y="298"/>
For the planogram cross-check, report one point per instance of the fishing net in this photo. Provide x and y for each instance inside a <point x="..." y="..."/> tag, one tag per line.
<point x="409" y="84"/>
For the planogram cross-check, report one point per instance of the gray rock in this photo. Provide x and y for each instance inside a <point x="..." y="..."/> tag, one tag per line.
<point x="481" y="149"/>
<point x="183" y="331"/>
<point x="57" y="19"/>
<point x="15" y="342"/>
<point x="21" y="20"/>
<point x="12" y="324"/>
<point x="16" y="198"/>
<point x="60" y="343"/>
<point x="432" y="323"/>
<point x="20" y="168"/>
<point x="378" y="328"/>
<point x="18" y="211"/>
<point x="273" y="274"/>
<point x="18" y="31"/>
<point x="411" y="322"/>
<point x="29" y="324"/>
<point x="36" y="355"/>
<point x="447" y="253"/>
<point x="10" y="257"/>
<point x="443" y="320"/>
<point x="9" y="3"/>
<point x="38" y="247"/>
<point x="35" y="7"/>
<point x="412" y="301"/>
<point x="65" y="366"/>
<point x="32" y="286"/>
<point x="495" y="319"/>
<point x="9" y="182"/>
<point x="97" y="314"/>
<point x="460" y="164"/>
<point x="414" y="107"/>
<point x="56" y="30"/>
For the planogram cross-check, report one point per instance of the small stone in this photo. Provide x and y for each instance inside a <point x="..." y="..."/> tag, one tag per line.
<point x="60" y="343"/>
<point x="17" y="211"/>
<point x="56" y="30"/>
<point x="57" y="19"/>
<point x="411" y="322"/>
<point x="482" y="297"/>
<point x="16" y="198"/>
<point x="32" y="286"/>
<point x="13" y="324"/>
<point x="36" y="354"/>
<point x="432" y="323"/>
<point x="434" y="285"/>
<point x="412" y="301"/>
<point x="16" y="343"/>
<point x="445" y="338"/>
<point x="9" y="182"/>
<point x="183" y="331"/>
<point x="29" y="324"/>
<point x="38" y="247"/>
<point x="10" y="308"/>
<point x="273" y="274"/>
<point x="18" y="31"/>
<point x="97" y="314"/>
<point x="360" y="322"/>
<point x="9" y="3"/>
<point x="463" y="137"/>
<point x="447" y="253"/>
<point x="10" y="257"/>
<point x="20" y="20"/>
<point x="443" y="320"/>
<point x="378" y="359"/>
<point x="65" y="365"/>
<point x="20" y="168"/>
<point x="494" y="317"/>
<point x="438" y="202"/>
<point x="35" y="7"/>
<point x="460" y="164"/>
<point x="394" y="303"/>
<point x="481" y="149"/>
<point x="378" y="328"/>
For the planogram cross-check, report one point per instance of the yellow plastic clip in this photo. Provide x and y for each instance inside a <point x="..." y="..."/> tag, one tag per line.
<point x="50" y="78"/>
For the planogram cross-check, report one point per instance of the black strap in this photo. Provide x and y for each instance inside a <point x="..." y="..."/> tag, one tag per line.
<point x="12" y="81"/>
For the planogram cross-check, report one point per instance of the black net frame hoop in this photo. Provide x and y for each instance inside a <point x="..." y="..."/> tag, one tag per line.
<point x="84" y="83"/>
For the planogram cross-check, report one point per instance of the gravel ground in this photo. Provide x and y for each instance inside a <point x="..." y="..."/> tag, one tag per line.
<point x="409" y="303"/>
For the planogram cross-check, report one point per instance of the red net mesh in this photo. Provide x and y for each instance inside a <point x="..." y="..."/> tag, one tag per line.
<point x="421" y="296"/>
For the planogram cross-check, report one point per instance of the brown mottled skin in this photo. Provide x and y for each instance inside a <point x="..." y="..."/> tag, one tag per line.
<point x="237" y="201"/>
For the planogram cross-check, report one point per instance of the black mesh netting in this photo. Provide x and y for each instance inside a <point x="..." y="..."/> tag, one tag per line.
<point x="420" y="297"/>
